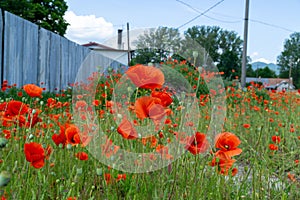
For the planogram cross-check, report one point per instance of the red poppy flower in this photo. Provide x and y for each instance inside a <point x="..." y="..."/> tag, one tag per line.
<point x="127" y="130"/>
<point x="72" y="135"/>
<point x="223" y="163"/>
<point x="71" y="198"/>
<point x="33" y="118"/>
<point x="81" y="105"/>
<point x="197" y="143"/>
<point x="59" y="138"/>
<point x="15" y="108"/>
<point x="35" y="154"/>
<point x="146" y="76"/>
<point x="109" y="149"/>
<point x="246" y="125"/>
<point x="164" y="97"/>
<point x="82" y="156"/>
<point x="276" y="139"/>
<point x="33" y="90"/>
<point x="273" y="147"/>
<point x="228" y="143"/>
<point x="108" y="178"/>
<point x="121" y="177"/>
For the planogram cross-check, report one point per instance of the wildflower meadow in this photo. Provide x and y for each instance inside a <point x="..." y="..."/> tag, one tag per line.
<point x="167" y="131"/>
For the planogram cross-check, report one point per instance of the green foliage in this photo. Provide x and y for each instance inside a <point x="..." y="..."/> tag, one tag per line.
<point x="289" y="59"/>
<point x="265" y="72"/>
<point x="250" y="72"/>
<point x="223" y="47"/>
<point x="156" y="45"/>
<point x="148" y="55"/>
<point x="47" y="14"/>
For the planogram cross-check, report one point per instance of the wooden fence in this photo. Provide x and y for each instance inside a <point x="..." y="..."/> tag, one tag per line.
<point x="31" y="54"/>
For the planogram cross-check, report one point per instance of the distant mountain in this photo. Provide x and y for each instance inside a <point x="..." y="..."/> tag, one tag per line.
<point x="260" y="65"/>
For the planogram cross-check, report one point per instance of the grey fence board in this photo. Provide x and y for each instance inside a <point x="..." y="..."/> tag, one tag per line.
<point x="13" y="56"/>
<point x="30" y="53"/>
<point x="65" y="62"/>
<point x="1" y="35"/>
<point x="44" y="58"/>
<point x="35" y="55"/>
<point x="55" y="62"/>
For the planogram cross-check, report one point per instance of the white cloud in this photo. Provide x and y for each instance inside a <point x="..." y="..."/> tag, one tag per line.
<point x="256" y="58"/>
<point x="254" y="54"/>
<point x="262" y="60"/>
<point x="87" y="28"/>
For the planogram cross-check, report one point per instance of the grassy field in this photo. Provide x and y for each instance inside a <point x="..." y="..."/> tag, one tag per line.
<point x="76" y="144"/>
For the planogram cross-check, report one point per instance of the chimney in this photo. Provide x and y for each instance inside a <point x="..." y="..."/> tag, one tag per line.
<point x="120" y="38"/>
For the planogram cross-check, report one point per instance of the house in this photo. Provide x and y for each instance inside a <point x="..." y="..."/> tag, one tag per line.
<point x="116" y="58"/>
<point x="278" y="84"/>
<point x="282" y="86"/>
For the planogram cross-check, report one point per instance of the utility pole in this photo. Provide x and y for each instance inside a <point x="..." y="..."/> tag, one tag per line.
<point x="244" y="58"/>
<point x="128" y="44"/>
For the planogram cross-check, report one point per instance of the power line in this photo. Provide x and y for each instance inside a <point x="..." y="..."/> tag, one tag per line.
<point x="198" y="11"/>
<point x="200" y="14"/>
<point x="223" y="21"/>
<point x="272" y="25"/>
<point x="252" y="20"/>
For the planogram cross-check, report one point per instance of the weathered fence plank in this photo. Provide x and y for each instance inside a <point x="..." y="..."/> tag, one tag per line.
<point x="1" y="42"/>
<point x="65" y="62"/>
<point x="30" y="53"/>
<point x="13" y="44"/>
<point x="44" y="58"/>
<point x="55" y="62"/>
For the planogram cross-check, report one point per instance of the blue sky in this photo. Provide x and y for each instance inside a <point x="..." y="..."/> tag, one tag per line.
<point x="271" y="21"/>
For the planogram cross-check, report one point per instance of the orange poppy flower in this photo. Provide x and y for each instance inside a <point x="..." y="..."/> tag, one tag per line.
<point x="291" y="177"/>
<point x="228" y="142"/>
<point x="197" y="143"/>
<point x="164" y="152"/>
<point x="33" y="90"/>
<point x="35" y="154"/>
<point x="223" y="163"/>
<point x="165" y="97"/>
<point x="146" y="77"/>
<point x="149" y="107"/>
<point x="127" y="130"/>
<point x="72" y="135"/>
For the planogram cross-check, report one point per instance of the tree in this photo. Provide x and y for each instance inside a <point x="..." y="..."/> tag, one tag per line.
<point x="45" y="13"/>
<point x="156" y="45"/>
<point x="250" y="72"/>
<point x="289" y="59"/>
<point x="265" y="72"/>
<point x="223" y="47"/>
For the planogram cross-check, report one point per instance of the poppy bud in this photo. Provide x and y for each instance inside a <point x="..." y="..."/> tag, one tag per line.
<point x="79" y="171"/>
<point x="4" y="178"/>
<point x="3" y="142"/>
<point x="99" y="171"/>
